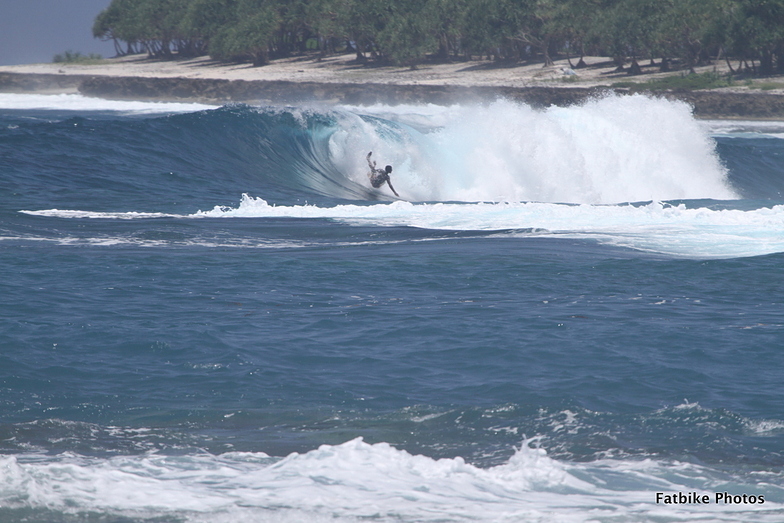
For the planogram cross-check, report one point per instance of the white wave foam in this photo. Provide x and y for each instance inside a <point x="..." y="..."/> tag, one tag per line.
<point x="356" y="480"/>
<point x="77" y="102"/>
<point x="765" y="427"/>
<point x="130" y="215"/>
<point x="611" y="150"/>
<point x="656" y="227"/>
<point x="745" y="128"/>
<point x="237" y="242"/>
<point x="673" y="230"/>
<point x="210" y="243"/>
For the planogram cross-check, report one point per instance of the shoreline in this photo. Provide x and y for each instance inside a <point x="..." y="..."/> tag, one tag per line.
<point x="339" y="80"/>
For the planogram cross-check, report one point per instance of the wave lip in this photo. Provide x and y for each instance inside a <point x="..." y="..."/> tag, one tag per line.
<point x="611" y="150"/>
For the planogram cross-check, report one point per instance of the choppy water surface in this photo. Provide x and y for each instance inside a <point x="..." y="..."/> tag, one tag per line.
<point x="209" y="315"/>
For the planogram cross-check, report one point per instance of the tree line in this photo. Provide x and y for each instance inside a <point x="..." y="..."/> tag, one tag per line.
<point x="748" y="34"/>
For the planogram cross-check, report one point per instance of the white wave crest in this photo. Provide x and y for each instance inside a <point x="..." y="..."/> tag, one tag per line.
<point x="673" y="230"/>
<point x="129" y="215"/>
<point x="610" y="150"/>
<point x="77" y="102"/>
<point x="656" y="227"/>
<point x="357" y="480"/>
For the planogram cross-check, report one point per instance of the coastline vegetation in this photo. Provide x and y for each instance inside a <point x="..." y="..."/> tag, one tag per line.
<point x="70" y="57"/>
<point x="708" y="80"/>
<point x="668" y="34"/>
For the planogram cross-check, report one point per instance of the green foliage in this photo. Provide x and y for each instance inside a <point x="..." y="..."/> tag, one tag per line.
<point x="579" y="23"/>
<point x="446" y="19"/>
<point x="756" y="28"/>
<point x="630" y="29"/>
<point x="70" y="57"/>
<point x="768" y="86"/>
<point x="495" y="28"/>
<point x="407" y="35"/>
<point x="679" y="82"/>
<point x="249" y="36"/>
<point x="408" y="32"/>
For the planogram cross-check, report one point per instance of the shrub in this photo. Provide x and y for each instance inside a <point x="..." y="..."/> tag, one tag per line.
<point x="70" y="57"/>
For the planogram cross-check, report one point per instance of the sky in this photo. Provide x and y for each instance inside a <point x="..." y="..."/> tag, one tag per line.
<point x="33" y="31"/>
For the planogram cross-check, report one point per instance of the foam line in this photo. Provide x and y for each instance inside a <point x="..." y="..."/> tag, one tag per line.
<point x="656" y="227"/>
<point x="77" y="102"/>
<point x="359" y="480"/>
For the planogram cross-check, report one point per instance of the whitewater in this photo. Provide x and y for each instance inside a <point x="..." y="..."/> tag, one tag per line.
<point x="211" y="316"/>
<point x="620" y="150"/>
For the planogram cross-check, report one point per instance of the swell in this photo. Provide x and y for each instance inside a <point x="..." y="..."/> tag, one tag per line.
<point x="96" y="162"/>
<point x="754" y="164"/>
<point x="483" y="436"/>
<point x="611" y="150"/>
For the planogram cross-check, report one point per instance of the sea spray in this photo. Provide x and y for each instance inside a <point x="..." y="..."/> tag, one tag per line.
<point x="608" y="150"/>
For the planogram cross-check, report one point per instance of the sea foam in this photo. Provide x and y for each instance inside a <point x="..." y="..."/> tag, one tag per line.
<point x="656" y="227"/>
<point x="357" y="480"/>
<point x="566" y="172"/>
<point x="77" y="102"/>
<point x="608" y="150"/>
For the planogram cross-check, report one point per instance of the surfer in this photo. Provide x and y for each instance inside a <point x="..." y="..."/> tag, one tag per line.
<point x="379" y="176"/>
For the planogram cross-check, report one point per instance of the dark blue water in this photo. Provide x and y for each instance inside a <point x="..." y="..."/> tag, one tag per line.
<point x="148" y="348"/>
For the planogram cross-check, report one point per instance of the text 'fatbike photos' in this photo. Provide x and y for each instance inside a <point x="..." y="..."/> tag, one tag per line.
<point x="694" y="498"/>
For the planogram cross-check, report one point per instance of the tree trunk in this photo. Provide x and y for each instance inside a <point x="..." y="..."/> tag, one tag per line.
<point x="260" y="57"/>
<point x="443" y="48"/>
<point x="619" y="61"/>
<point x="729" y="65"/>
<point x="766" y="63"/>
<point x="546" y="51"/>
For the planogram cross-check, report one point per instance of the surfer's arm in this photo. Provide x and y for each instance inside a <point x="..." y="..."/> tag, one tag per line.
<point x="372" y="165"/>
<point x="389" y="182"/>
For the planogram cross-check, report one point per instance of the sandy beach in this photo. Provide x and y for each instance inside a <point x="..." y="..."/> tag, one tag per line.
<point x="344" y="69"/>
<point x="341" y="79"/>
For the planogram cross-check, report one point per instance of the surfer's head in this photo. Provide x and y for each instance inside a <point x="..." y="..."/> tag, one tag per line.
<point x="388" y="169"/>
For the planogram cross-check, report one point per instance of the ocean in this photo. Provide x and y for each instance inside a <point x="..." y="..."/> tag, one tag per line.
<point x="209" y="315"/>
